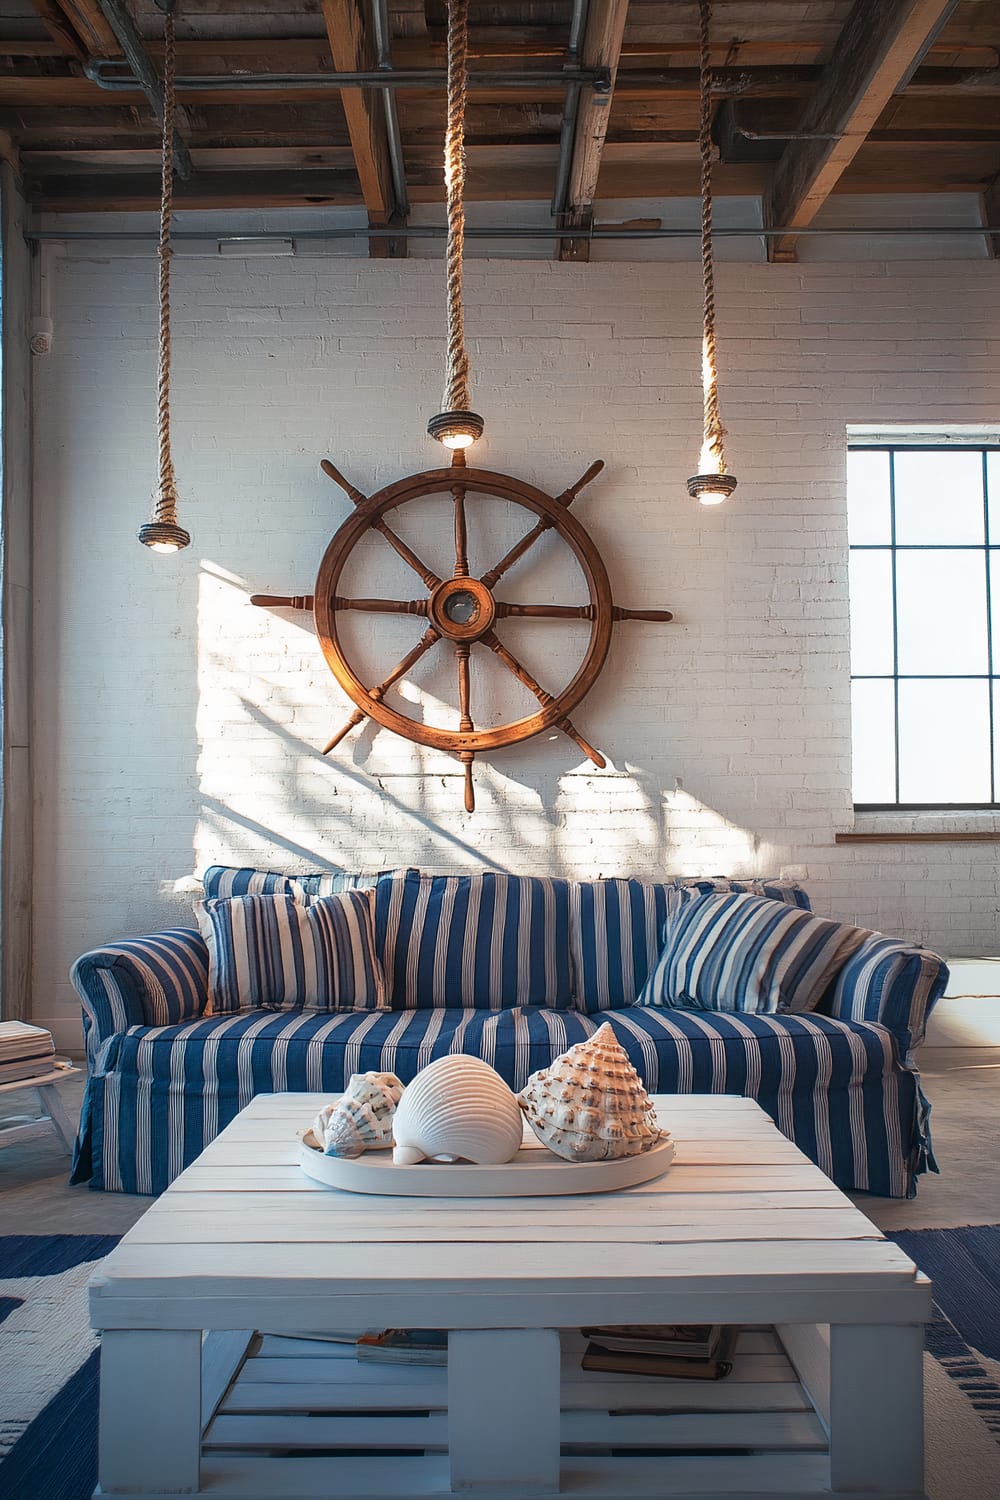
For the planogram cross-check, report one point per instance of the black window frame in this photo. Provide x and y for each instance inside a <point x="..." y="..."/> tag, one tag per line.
<point x="991" y="676"/>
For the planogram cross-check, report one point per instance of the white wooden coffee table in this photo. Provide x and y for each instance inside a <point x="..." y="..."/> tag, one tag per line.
<point x="825" y="1397"/>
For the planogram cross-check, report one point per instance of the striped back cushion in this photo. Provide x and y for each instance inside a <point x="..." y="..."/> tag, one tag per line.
<point x="745" y="953"/>
<point x="891" y="982"/>
<point x="221" y="881"/>
<point x="476" y="941"/>
<point x="281" y="954"/>
<point x="616" y="930"/>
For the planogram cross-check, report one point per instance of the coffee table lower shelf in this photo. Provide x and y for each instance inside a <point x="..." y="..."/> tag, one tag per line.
<point x="297" y="1418"/>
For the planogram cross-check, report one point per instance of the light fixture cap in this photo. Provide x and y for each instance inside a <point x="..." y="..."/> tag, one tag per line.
<point x="163" y="536"/>
<point x="700" y="486"/>
<point x="456" y="429"/>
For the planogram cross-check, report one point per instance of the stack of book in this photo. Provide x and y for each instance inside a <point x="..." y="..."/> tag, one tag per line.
<point x="405" y="1346"/>
<point x="686" y="1351"/>
<point x="25" y="1051"/>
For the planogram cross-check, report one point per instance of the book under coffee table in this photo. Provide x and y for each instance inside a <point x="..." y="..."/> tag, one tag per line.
<point x="210" y="1383"/>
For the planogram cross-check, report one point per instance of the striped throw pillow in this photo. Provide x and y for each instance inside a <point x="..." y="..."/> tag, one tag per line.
<point x="220" y="881"/>
<point x="486" y="941"/>
<point x="616" y="929"/>
<point x="745" y="953"/>
<point x="276" y="953"/>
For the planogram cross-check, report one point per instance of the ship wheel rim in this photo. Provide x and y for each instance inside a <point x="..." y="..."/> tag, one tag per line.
<point x="481" y="482"/>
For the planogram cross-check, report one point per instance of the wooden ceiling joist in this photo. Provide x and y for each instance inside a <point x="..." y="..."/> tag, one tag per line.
<point x="602" y="48"/>
<point x="352" y="45"/>
<point x="878" y="49"/>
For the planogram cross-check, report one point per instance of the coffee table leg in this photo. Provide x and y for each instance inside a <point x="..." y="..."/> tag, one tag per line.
<point x="57" y="1114"/>
<point x="503" y="1409"/>
<point x="150" y="1432"/>
<point x="877" y="1409"/>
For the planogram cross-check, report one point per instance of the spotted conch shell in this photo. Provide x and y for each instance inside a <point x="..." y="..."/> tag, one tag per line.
<point x="457" y="1109"/>
<point x="361" y="1119"/>
<point x="589" y="1103"/>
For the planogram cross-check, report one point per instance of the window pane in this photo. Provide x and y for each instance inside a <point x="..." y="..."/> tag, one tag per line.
<point x="874" y="742"/>
<point x="868" y="497"/>
<point x="944" y="742"/>
<point x="941" y="612"/>
<point x="993" y="489"/>
<point x="939" y="496"/>
<point x="996" y="740"/>
<point x="871" y="612"/>
<point x="995" y="606"/>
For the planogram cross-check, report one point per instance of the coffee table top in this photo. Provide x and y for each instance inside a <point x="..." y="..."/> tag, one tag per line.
<point x="742" y="1228"/>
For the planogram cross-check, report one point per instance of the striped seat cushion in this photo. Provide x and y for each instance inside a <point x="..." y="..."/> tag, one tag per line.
<point x="285" y="954"/>
<point x="474" y="941"/>
<point x="221" y="881"/>
<point x="616" y="930"/>
<point x="745" y="953"/>
<point x="832" y="1086"/>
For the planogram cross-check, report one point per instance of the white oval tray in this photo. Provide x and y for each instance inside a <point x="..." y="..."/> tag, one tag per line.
<point x="534" y="1173"/>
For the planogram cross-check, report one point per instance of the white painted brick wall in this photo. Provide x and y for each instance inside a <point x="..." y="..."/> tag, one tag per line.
<point x="177" y="726"/>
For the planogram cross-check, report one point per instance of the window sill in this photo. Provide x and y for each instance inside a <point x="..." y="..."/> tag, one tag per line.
<point x="923" y="828"/>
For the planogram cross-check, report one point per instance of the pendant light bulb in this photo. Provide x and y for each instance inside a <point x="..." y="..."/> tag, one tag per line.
<point x="456" y="429"/>
<point x="710" y="486"/>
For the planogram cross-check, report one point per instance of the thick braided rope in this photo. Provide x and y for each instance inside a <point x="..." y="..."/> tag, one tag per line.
<point x="714" y="431"/>
<point x="456" y="388"/>
<point x="165" y="503"/>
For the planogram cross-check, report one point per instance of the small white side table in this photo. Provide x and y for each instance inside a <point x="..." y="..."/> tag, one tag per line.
<point x="46" y="1087"/>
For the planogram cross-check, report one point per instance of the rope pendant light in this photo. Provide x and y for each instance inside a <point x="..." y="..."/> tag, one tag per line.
<point x="162" y="533"/>
<point x="712" y="484"/>
<point x="456" y="425"/>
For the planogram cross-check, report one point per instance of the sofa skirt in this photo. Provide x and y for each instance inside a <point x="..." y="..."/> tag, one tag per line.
<point x="838" y="1089"/>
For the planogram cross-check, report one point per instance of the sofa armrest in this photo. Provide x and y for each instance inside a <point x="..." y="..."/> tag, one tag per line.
<point x="158" y="980"/>
<point x="893" y="983"/>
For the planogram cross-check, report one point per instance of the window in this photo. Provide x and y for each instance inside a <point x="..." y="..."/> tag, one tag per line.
<point x="924" y="533"/>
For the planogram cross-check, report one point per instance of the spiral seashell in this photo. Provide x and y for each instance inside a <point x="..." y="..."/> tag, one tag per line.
<point x="457" y="1109"/>
<point x="589" y="1104"/>
<point x="362" y="1118"/>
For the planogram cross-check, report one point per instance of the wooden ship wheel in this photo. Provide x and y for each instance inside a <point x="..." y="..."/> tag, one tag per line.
<point x="463" y="611"/>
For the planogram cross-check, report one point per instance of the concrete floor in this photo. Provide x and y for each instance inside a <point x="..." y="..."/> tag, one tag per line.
<point x="963" y="1085"/>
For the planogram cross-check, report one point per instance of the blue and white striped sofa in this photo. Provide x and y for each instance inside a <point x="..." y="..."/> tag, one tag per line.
<point x="165" y="1077"/>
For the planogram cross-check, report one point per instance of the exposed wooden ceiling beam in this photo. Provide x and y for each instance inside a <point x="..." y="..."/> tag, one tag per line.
<point x="91" y="26"/>
<point x="352" y="45"/>
<point x="60" y="30"/>
<point x="602" y="48"/>
<point x="880" y="46"/>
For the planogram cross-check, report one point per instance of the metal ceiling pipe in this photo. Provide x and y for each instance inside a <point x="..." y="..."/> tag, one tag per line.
<point x="571" y="108"/>
<point x="380" y="24"/>
<point x="107" y="75"/>
<point x="507" y="232"/>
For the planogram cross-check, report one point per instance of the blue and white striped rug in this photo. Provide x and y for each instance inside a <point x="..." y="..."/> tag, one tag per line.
<point x="49" y="1363"/>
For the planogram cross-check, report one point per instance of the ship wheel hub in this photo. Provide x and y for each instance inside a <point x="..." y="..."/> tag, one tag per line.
<point x="462" y="609"/>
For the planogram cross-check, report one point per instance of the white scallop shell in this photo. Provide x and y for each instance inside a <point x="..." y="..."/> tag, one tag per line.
<point x="361" y="1119"/>
<point x="459" y="1109"/>
<point x="589" y="1104"/>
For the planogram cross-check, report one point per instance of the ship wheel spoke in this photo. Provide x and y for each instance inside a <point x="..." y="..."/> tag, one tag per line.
<point x="461" y="533"/>
<point x="522" y="674"/>
<point x="429" y="638"/>
<point x="574" y="612"/>
<point x="565" y="500"/>
<point x="382" y="606"/>
<point x="462" y="652"/>
<point x="430" y="579"/>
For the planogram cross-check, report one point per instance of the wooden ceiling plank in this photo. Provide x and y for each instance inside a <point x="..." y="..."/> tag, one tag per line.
<point x="602" y="48"/>
<point x="91" y="26"/>
<point x="60" y="30"/>
<point x="119" y="19"/>
<point x="352" y="47"/>
<point x="881" y="44"/>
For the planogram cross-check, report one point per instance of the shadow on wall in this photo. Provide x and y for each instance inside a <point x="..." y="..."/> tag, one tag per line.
<point x="269" y="797"/>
